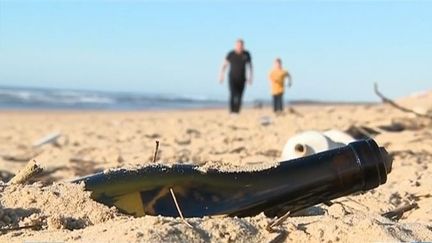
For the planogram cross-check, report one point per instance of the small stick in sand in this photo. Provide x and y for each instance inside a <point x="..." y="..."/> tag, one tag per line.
<point x="277" y="222"/>
<point x="392" y="103"/>
<point x="178" y="208"/>
<point x="156" y="151"/>
<point x="397" y="213"/>
<point x="29" y="171"/>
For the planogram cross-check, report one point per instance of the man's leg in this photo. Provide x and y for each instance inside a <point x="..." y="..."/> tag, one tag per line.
<point x="236" y="89"/>
<point x="281" y="106"/>
<point x="240" y="88"/>
<point x="275" y="105"/>
<point x="278" y="101"/>
<point x="232" y="96"/>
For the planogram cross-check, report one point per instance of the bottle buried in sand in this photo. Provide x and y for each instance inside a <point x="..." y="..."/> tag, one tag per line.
<point x="289" y="186"/>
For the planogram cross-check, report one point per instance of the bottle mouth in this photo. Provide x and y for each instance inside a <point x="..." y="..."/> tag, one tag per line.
<point x="374" y="161"/>
<point x="387" y="159"/>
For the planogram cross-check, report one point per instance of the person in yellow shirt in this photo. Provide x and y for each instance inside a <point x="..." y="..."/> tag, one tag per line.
<point x="277" y="78"/>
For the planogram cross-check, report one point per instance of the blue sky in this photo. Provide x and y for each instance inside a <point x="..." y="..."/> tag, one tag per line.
<point x="334" y="50"/>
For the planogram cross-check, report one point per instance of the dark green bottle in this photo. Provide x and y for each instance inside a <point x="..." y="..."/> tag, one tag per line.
<point x="290" y="186"/>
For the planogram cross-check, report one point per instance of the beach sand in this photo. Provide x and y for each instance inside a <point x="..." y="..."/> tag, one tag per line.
<point x="94" y="141"/>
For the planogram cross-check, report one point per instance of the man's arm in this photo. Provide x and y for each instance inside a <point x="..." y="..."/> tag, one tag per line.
<point x="288" y="76"/>
<point x="250" y="73"/>
<point x="222" y="72"/>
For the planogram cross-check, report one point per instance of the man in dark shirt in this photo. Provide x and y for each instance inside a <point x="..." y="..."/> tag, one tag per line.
<point x="239" y="61"/>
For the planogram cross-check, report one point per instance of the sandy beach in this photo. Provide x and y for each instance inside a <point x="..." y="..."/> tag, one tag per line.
<point x="92" y="141"/>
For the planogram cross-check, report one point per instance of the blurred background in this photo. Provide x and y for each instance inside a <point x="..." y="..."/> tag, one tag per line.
<point x="151" y="54"/>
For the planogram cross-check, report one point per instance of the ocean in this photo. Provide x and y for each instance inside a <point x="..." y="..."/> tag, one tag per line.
<point x="39" y="98"/>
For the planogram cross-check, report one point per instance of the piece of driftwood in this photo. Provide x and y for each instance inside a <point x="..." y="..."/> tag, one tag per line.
<point x="291" y="110"/>
<point x="395" y="105"/>
<point x="35" y="226"/>
<point x="29" y="171"/>
<point x="362" y="132"/>
<point x="397" y="213"/>
<point x="50" y="138"/>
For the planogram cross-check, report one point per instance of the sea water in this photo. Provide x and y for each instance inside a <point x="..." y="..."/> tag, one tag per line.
<point x="39" y="98"/>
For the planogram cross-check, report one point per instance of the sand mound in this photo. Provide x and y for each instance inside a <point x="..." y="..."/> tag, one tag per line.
<point x="59" y="206"/>
<point x="420" y="102"/>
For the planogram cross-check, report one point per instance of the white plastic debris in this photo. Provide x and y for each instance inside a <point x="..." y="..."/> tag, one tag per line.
<point x="311" y="142"/>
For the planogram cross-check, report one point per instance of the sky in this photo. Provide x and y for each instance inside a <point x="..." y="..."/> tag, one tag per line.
<point x="334" y="51"/>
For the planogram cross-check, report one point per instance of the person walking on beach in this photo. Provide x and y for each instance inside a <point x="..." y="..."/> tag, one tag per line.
<point x="277" y="78"/>
<point x="240" y="62"/>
